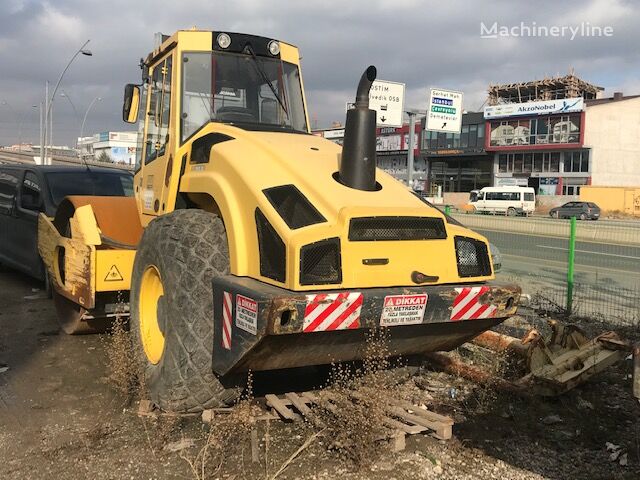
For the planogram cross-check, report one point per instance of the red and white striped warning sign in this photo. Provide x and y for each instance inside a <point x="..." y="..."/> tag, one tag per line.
<point x="332" y="311"/>
<point x="226" y="320"/>
<point x="467" y="304"/>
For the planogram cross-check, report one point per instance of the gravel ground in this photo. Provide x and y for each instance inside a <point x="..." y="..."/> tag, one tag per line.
<point x="61" y="418"/>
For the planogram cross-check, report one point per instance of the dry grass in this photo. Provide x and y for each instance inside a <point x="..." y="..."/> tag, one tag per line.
<point x="125" y="369"/>
<point x="352" y="406"/>
<point x="228" y="434"/>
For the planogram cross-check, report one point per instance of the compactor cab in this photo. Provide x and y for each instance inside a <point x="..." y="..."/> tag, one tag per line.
<point x="261" y="246"/>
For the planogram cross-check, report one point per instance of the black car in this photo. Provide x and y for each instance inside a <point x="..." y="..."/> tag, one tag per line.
<point x="27" y="190"/>
<point x="580" y="210"/>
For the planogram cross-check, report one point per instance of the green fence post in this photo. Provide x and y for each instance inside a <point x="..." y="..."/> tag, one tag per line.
<point x="572" y="255"/>
<point x="447" y="210"/>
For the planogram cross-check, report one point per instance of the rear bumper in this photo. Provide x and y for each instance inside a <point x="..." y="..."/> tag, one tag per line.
<point x="263" y="327"/>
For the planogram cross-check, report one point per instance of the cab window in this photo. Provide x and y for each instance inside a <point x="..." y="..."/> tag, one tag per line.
<point x="159" y="110"/>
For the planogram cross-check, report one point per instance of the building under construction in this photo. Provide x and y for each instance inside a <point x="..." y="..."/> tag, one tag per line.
<point x="555" y="88"/>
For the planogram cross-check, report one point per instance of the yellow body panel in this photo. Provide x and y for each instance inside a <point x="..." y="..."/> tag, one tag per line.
<point x="113" y="269"/>
<point x="231" y="184"/>
<point x="78" y="260"/>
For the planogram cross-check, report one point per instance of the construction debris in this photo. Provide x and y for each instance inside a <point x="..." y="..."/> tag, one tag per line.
<point x="559" y="363"/>
<point x="402" y="417"/>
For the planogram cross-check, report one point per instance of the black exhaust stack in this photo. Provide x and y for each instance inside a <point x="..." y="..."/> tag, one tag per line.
<point x="358" y="164"/>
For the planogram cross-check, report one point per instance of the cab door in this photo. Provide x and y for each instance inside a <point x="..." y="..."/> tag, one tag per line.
<point x="157" y="152"/>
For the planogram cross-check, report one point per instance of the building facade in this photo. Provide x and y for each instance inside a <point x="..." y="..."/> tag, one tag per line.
<point x="560" y="145"/>
<point x="115" y="147"/>
<point x="457" y="162"/>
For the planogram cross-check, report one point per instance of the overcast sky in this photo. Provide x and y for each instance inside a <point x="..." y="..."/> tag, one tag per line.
<point x="419" y="43"/>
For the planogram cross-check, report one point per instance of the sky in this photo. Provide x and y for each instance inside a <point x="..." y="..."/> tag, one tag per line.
<point x="423" y="44"/>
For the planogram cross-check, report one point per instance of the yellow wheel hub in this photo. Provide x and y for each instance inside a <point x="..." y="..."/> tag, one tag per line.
<point x="150" y="292"/>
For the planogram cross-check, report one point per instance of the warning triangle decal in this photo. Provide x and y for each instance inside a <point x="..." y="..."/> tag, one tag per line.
<point x="113" y="275"/>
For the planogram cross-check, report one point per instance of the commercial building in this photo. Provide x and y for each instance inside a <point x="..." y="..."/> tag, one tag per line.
<point x="392" y="151"/>
<point x="564" y="137"/>
<point x="555" y="135"/>
<point x="116" y="147"/>
<point x="457" y="162"/>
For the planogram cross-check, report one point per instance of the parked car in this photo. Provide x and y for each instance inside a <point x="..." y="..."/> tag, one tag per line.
<point x="27" y="190"/>
<point x="580" y="210"/>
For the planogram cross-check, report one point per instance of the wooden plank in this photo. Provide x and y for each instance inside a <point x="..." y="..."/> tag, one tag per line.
<point x="399" y="412"/>
<point x="410" y="429"/>
<point x="299" y="403"/>
<point x="277" y="404"/>
<point x="428" y="414"/>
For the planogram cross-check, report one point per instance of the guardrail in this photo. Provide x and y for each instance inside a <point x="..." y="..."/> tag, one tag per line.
<point x="539" y="253"/>
<point x="28" y="158"/>
<point x="588" y="231"/>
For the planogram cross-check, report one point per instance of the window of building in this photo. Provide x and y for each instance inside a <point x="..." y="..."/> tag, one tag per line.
<point x="473" y="135"/>
<point x="527" y="164"/>
<point x="571" y="189"/>
<point x="537" y="161"/>
<point x="577" y="161"/>
<point x="481" y="134"/>
<point x="464" y="136"/>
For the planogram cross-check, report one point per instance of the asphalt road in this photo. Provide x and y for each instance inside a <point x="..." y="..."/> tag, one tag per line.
<point x="607" y="277"/>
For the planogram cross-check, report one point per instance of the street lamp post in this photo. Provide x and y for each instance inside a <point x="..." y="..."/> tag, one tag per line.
<point x="49" y="100"/>
<point x="97" y="99"/>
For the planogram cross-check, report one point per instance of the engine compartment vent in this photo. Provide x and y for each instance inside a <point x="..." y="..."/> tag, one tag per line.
<point x="375" y="229"/>
<point x="273" y="255"/>
<point x="472" y="257"/>
<point x="321" y="262"/>
<point x="293" y="206"/>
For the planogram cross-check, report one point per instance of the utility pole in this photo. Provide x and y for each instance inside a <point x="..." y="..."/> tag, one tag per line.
<point x="410" y="152"/>
<point x="412" y="138"/>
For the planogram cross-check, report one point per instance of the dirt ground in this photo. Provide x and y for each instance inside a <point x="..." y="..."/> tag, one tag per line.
<point x="60" y="417"/>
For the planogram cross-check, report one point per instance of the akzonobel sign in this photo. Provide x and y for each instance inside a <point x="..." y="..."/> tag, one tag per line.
<point x="544" y="107"/>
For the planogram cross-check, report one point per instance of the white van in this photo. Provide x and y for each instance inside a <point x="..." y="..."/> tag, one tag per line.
<point x="509" y="200"/>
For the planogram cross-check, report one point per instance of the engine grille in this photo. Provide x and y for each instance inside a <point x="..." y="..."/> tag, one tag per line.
<point x="473" y="257"/>
<point x="293" y="206"/>
<point x="373" y="229"/>
<point x="321" y="262"/>
<point x="273" y="256"/>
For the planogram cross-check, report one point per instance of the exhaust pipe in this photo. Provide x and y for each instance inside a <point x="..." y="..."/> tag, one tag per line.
<point x="358" y="163"/>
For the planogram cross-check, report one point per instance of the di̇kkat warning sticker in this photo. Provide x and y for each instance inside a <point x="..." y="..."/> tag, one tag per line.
<point x="403" y="310"/>
<point x="247" y="314"/>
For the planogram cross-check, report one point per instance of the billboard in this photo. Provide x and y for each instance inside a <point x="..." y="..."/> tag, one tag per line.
<point x="543" y="107"/>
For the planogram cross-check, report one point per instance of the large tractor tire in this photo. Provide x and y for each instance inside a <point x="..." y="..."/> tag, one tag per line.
<point x="172" y="310"/>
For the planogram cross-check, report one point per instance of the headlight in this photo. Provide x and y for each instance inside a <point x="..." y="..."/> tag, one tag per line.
<point x="496" y="257"/>
<point x="274" y="47"/>
<point x="223" y="40"/>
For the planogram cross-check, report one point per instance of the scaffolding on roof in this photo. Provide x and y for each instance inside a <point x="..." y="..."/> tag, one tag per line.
<point x="569" y="86"/>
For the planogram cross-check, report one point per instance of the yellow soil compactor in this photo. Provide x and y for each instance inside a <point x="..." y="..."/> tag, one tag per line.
<point x="252" y="244"/>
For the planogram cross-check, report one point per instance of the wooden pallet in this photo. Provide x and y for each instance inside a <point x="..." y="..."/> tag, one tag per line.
<point x="402" y="417"/>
